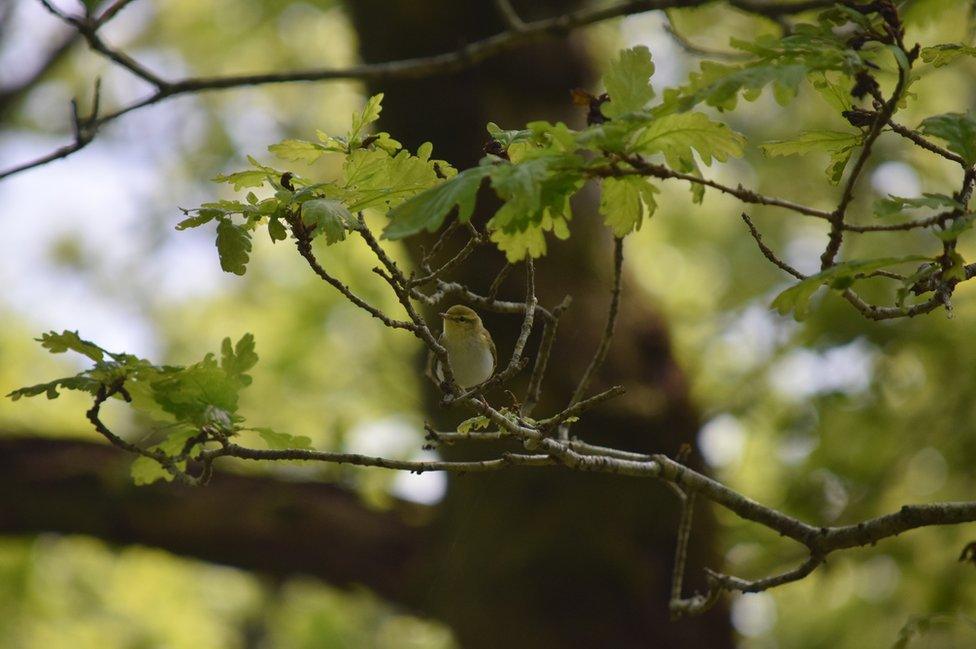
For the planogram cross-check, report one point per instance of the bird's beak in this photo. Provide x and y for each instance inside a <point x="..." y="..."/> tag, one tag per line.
<point x="443" y="315"/>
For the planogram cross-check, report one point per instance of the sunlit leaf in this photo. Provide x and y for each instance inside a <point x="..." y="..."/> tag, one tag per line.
<point x="628" y="82"/>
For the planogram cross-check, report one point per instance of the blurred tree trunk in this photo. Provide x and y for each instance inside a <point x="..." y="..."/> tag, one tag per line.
<point x="545" y="559"/>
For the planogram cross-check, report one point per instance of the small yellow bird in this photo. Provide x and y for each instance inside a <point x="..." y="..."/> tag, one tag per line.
<point x="470" y="349"/>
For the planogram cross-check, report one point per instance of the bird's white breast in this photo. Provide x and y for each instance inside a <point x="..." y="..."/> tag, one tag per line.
<point x="471" y="360"/>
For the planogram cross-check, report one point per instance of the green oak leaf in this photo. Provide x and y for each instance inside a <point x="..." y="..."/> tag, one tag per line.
<point x="895" y="205"/>
<point x="233" y="247"/>
<point x="839" y="144"/>
<point x="677" y="135"/>
<point x="945" y="53"/>
<point x="238" y="359"/>
<point x="58" y="343"/>
<point x="796" y="298"/>
<point x="300" y="150"/>
<point x="628" y="82"/>
<point x="957" y="129"/>
<point x="329" y="217"/>
<point x="282" y="441"/>
<point x="427" y="210"/>
<point x="624" y="202"/>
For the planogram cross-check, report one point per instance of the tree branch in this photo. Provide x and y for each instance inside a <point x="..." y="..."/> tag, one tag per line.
<point x="414" y="68"/>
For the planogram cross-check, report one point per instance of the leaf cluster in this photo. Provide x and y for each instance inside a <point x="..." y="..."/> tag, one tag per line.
<point x="191" y="404"/>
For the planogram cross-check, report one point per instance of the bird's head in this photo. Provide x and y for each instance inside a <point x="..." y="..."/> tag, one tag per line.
<point x="460" y="318"/>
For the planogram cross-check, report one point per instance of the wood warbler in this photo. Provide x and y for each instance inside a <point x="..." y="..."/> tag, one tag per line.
<point x="470" y="349"/>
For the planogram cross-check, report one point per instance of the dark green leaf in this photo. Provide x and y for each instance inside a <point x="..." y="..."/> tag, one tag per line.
<point x="58" y="343"/>
<point x="956" y="227"/>
<point x="427" y="210"/>
<point x="327" y="216"/>
<point x="233" y="246"/>
<point x="202" y="217"/>
<point x="796" y="299"/>
<point x="238" y="359"/>
<point x="276" y="230"/>
<point x="957" y="129"/>
<point x="80" y="382"/>
<point x="895" y="205"/>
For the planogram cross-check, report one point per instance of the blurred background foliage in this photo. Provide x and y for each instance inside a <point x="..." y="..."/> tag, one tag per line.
<point x="834" y="419"/>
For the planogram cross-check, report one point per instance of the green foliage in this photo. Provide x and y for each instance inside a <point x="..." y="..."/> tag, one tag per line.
<point x="628" y="82"/>
<point x="145" y="471"/>
<point x="185" y="400"/>
<point x="796" y="299"/>
<point x="328" y="216"/>
<point x="58" y="343"/>
<point x="624" y="202"/>
<point x="534" y="171"/>
<point x="676" y="136"/>
<point x="301" y="150"/>
<point x="544" y="165"/>
<point x="838" y="144"/>
<point x="951" y="232"/>
<point x="369" y="114"/>
<point x="426" y="211"/>
<point x="810" y="51"/>
<point x="719" y="85"/>
<point x="80" y="383"/>
<point x="478" y="422"/>
<point x="376" y="174"/>
<point x="249" y="178"/>
<point x="957" y="129"/>
<point x="237" y="359"/>
<point x="895" y="205"/>
<point x="282" y="441"/>
<point x="233" y="246"/>
<point x="946" y="53"/>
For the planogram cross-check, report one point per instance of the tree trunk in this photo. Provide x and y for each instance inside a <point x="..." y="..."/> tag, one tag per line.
<point x="545" y="559"/>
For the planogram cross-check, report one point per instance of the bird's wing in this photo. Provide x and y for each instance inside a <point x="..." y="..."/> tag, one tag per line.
<point x="491" y="345"/>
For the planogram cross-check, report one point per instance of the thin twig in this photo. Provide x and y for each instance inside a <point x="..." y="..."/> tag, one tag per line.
<point x="938" y="219"/>
<point x="697" y="50"/>
<point x="681" y="551"/>
<point x="304" y="244"/>
<point x="582" y="406"/>
<point x="926" y="144"/>
<point x="768" y="252"/>
<point x="728" y="582"/>
<point x="643" y="168"/>
<point x="836" y="235"/>
<point x="453" y="290"/>
<point x="496" y="284"/>
<point x="604" y="346"/>
<point x="534" y="389"/>
<point x="356" y="459"/>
